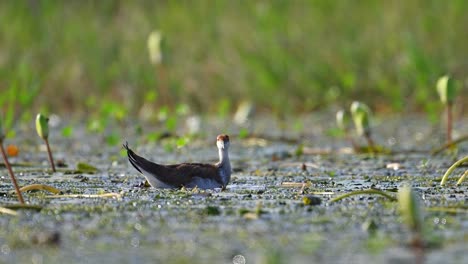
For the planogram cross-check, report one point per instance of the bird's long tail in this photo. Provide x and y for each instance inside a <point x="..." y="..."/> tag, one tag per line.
<point x="133" y="158"/>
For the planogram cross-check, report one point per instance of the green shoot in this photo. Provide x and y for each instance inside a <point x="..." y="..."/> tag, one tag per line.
<point x="447" y="91"/>
<point x="342" y="121"/>
<point x="154" y="47"/>
<point x="410" y="209"/>
<point x="411" y="212"/>
<point x="361" y="115"/>
<point x="155" y="41"/>
<point x="42" y="128"/>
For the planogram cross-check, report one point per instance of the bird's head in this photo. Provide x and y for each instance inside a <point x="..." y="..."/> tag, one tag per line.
<point x="222" y="141"/>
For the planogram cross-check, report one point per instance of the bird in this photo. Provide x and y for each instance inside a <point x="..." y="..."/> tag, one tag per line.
<point x="188" y="175"/>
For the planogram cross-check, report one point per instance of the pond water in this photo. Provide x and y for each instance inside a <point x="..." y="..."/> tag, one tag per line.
<point x="260" y="218"/>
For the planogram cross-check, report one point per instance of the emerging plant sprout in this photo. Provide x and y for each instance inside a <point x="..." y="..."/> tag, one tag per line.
<point x="42" y="128"/>
<point x="447" y="90"/>
<point x="452" y="168"/>
<point x="8" y="166"/>
<point x="154" y="47"/>
<point x="411" y="212"/>
<point x="361" y="116"/>
<point x="156" y="57"/>
<point x="342" y="121"/>
<point x="410" y="209"/>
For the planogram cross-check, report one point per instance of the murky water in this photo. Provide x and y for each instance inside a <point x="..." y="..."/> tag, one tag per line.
<point x="261" y="216"/>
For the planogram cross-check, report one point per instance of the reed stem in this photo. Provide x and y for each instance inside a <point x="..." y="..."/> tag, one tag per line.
<point x="51" y="159"/>
<point x="12" y="176"/>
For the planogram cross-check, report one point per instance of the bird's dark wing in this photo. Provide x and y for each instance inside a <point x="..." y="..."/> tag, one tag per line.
<point x="176" y="175"/>
<point x="190" y="170"/>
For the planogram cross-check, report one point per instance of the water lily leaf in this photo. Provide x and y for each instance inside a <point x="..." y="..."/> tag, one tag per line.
<point x="86" y="168"/>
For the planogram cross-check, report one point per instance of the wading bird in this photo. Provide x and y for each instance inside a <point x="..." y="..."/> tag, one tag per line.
<point x="189" y="175"/>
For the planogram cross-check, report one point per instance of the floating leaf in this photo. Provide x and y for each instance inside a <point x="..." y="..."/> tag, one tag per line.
<point x="42" y="126"/>
<point x="86" y="168"/>
<point x="44" y="187"/>
<point x="446" y="89"/>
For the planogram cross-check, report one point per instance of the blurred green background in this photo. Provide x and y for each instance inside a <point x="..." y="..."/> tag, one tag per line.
<point x="285" y="56"/>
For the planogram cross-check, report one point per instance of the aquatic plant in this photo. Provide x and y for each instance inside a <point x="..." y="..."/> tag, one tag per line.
<point x="154" y="47"/>
<point x="446" y="88"/>
<point x="452" y="168"/>
<point x="361" y="115"/>
<point x="411" y="212"/>
<point x="42" y="128"/>
<point x="450" y="145"/>
<point x="360" y="192"/>
<point x="410" y="209"/>
<point x="155" y="50"/>
<point x="342" y="121"/>
<point x="8" y="165"/>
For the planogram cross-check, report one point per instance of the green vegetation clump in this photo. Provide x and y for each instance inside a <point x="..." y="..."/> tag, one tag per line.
<point x="385" y="51"/>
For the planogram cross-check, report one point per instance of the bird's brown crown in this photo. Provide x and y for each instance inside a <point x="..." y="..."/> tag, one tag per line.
<point x="223" y="137"/>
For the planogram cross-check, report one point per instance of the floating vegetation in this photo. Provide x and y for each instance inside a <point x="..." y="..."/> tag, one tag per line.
<point x="103" y="195"/>
<point x="86" y="168"/>
<point x="361" y="192"/>
<point x="36" y="187"/>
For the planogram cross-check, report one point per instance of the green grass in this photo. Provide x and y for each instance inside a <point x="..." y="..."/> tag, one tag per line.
<point x="77" y="56"/>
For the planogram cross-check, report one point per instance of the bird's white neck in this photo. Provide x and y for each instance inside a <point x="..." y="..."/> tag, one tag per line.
<point x="224" y="165"/>
<point x="223" y="156"/>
